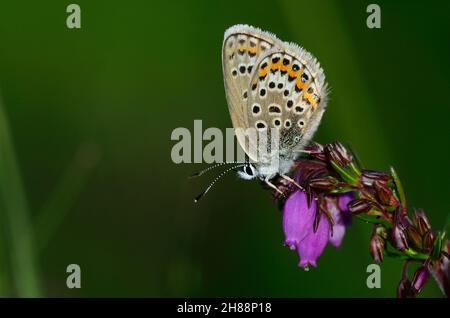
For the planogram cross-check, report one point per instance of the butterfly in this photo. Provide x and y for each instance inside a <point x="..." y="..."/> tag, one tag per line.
<point x="270" y="86"/>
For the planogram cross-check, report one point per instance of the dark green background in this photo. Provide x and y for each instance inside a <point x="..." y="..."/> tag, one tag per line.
<point x="90" y="113"/>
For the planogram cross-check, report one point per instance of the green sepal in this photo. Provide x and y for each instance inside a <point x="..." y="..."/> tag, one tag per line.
<point x="437" y="246"/>
<point x="346" y="174"/>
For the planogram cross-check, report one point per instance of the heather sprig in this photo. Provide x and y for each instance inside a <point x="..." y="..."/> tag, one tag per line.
<point x="335" y="189"/>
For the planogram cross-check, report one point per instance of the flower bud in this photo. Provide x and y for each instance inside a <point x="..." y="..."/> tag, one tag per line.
<point x="428" y="240"/>
<point x="399" y="238"/>
<point x="359" y="206"/>
<point x="404" y="289"/>
<point x="385" y="194"/>
<point x="377" y="248"/>
<point x="421" y="221"/>
<point x="419" y="279"/>
<point x="338" y="154"/>
<point x="315" y="150"/>
<point x="368" y="177"/>
<point x="326" y="183"/>
<point x="382" y="232"/>
<point x="414" y="236"/>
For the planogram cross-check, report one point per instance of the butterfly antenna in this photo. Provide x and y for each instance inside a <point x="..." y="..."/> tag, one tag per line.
<point x="198" y="197"/>
<point x="198" y="174"/>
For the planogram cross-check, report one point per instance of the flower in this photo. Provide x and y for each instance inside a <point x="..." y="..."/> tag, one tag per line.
<point x="330" y="188"/>
<point x="420" y="278"/>
<point x="338" y="154"/>
<point x="404" y="288"/>
<point x="298" y="225"/>
<point x="337" y="207"/>
<point x="398" y="234"/>
<point x="376" y="248"/>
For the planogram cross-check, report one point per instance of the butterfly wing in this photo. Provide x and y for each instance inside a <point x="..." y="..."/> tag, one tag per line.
<point x="287" y="92"/>
<point x="243" y="46"/>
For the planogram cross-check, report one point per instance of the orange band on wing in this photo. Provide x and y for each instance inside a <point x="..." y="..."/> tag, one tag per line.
<point x="263" y="72"/>
<point x="252" y="50"/>
<point x="275" y="66"/>
<point x="300" y="85"/>
<point x="309" y="98"/>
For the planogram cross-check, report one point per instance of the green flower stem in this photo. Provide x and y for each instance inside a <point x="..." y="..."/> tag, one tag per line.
<point x="65" y="193"/>
<point x="15" y="208"/>
<point x="408" y="254"/>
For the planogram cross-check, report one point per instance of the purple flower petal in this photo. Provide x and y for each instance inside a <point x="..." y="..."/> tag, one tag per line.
<point x="314" y="243"/>
<point x="345" y="199"/>
<point x="337" y="235"/>
<point x="297" y="218"/>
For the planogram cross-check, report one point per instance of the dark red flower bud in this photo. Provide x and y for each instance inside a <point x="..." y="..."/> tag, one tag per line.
<point x="359" y="206"/>
<point x="421" y="221"/>
<point x="419" y="279"/>
<point x="368" y="177"/>
<point x="414" y="236"/>
<point x="428" y="240"/>
<point x="326" y="183"/>
<point x="399" y="238"/>
<point x="377" y="248"/>
<point x="404" y="289"/>
<point x="338" y="154"/>
<point x="404" y="220"/>
<point x="385" y="194"/>
<point x="315" y="150"/>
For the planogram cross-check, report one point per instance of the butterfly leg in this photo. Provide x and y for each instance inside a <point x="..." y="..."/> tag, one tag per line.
<point x="270" y="184"/>
<point x="292" y="181"/>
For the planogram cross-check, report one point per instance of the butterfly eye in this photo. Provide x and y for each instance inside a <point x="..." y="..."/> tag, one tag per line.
<point x="249" y="170"/>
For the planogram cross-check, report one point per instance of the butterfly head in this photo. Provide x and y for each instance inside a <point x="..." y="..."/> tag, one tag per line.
<point x="264" y="171"/>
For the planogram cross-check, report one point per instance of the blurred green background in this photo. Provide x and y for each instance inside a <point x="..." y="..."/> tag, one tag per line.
<point x="85" y="123"/>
